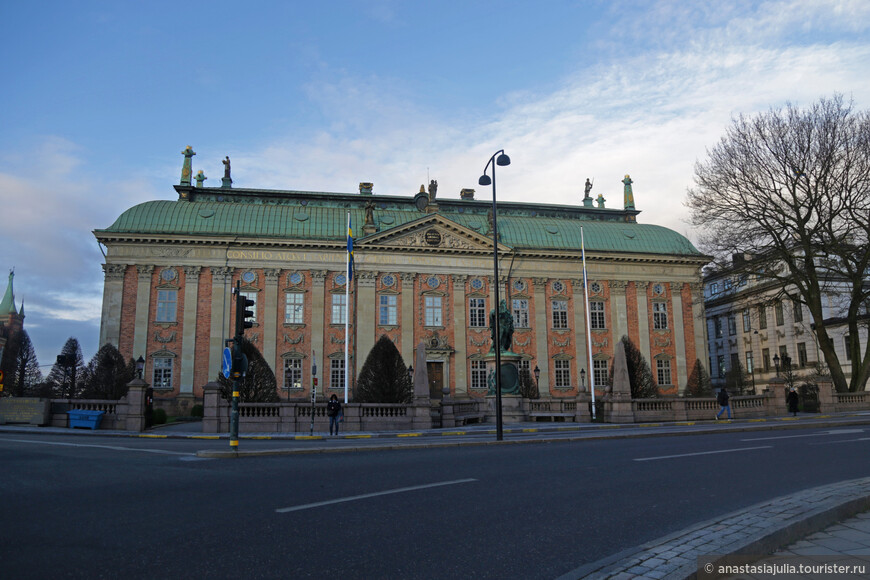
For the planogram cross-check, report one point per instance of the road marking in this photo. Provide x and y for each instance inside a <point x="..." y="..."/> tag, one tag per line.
<point x="701" y="453"/>
<point x="368" y="495"/>
<point x="842" y="441"/>
<point x="838" y="432"/>
<point x="112" y="447"/>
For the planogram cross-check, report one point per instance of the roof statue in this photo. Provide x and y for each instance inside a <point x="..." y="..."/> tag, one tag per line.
<point x="433" y="190"/>
<point x="226" y="163"/>
<point x="628" y="195"/>
<point x="370" y="216"/>
<point x="587" y="189"/>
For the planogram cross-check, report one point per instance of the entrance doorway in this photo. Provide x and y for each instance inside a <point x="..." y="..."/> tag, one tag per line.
<point x="436" y="379"/>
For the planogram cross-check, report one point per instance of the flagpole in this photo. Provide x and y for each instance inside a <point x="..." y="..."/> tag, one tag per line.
<point x="588" y="324"/>
<point x="348" y="278"/>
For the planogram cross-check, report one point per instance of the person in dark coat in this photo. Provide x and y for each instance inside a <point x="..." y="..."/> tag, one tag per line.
<point x="722" y="399"/>
<point x="791" y="400"/>
<point x="333" y="411"/>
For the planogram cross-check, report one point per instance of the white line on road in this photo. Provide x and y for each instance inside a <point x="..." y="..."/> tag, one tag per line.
<point x="368" y="495"/>
<point x="701" y="453"/>
<point x="842" y="441"/>
<point x="837" y="432"/>
<point x="112" y="447"/>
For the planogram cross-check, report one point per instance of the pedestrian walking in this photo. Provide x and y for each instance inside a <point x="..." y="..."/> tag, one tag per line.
<point x="722" y="398"/>
<point x="791" y="400"/>
<point x="333" y="411"/>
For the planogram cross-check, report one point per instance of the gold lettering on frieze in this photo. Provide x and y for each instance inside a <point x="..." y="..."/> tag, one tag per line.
<point x="267" y="255"/>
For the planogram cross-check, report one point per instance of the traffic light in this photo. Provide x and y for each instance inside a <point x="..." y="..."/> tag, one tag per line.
<point x="242" y="313"/>
<point x="240" y="361"/>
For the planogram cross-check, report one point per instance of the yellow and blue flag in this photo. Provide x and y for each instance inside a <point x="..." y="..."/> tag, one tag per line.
<point x="349" y="250"/>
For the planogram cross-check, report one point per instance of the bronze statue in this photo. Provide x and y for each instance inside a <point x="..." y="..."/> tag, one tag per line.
<point x="370" y="216"/>
<point x="226" y="163"/>
<point x="588" y="189"/>
<point x="505" y="327"/>
<point x="433" y="190"/>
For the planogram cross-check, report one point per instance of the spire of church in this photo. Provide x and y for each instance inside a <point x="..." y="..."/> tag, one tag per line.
<point x="7" y="306"/>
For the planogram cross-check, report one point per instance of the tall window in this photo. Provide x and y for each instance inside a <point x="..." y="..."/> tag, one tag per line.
<point x="602" y="376"/>
<point x="478" y="374"/>
<point x="720" y="364"/>
<point x="798" y="311"/>
<point x="524" y="366"/>
<point x="750" y="363"/>
<point x="732" y="325"/>
<point x="433" y="310"/>
<point x="521" y="313"/>
<point x="802" y="354"/>
<point x="762" y="317"/>
<point x="560" y="314"/>
<point x="596" y="315"/>
<point x="717" y="324"/>
<point x="747" y="323"/>
<point x="777" y="312"/>
<point x="339" y="308"/>
<point x="477" y="312"/>
<point x="660" y="315"/>
<point x="252" y="296"/>
<point x="387" y="311"/>
<point x="292" y="373"/>
<point x="293" y="303"/>
<point x="167" y="302"/>
<point x="162" y="373"/>
<point x="765" y="359"/>
<point x="336" y="373"/>
<point x="848" y="344"/>
<point x="563" y="373"/>
<point x="735" y="360"/>
<point x="663" y="371"/>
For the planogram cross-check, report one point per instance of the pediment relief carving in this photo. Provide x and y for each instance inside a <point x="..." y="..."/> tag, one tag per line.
<point x="433" y="232"/>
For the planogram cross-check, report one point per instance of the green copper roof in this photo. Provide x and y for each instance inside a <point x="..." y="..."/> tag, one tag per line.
<point x="7" y="305"/>
<point x="522" y="226"/>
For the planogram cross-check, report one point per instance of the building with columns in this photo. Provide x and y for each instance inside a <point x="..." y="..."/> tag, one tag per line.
<point x="423" y="274"/>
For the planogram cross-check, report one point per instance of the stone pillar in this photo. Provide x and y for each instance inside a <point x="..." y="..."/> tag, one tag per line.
<point x="220" y="316"/>
<point x="136" y="405"/>
<point x="367" y="316"/>
<point x="460" y="310"/>
<point x="269" y="316"/>
<point x="318" y="291"/>
<point x="113" y="291"/>
<point x="679" y="336"/>
<point x="541" y="338"/>
<point x="421" y="407"/>
<point x="211" y="408"/>
<point x="143" y="303"/>
<point x="826" y="397"/>
<point x="188" y="340"/>
<point x="620" y="397"/>
<point x="583" y="415"/>
<point x="776" y="387"/>
<point x="407" y="315"/>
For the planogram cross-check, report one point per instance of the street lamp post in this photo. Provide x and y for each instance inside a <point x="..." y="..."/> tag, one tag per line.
<point x="776" y="364"/>
<point x="502" y="160"/>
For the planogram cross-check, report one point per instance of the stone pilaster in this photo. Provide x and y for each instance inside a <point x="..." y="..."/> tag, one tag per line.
<point x="700" y="323"/>
<point x="367" y="321"/>
<point x="460" y="310"/>
<point x="407" y="319"/>
<point x="582" y="361"/>
<point x="318" y="292"/>
<point x="643" y="320"/>
<point x="679" y="335"/>
<point x="188" y="340"/>
<point x="113" y="291"/>
<point x="541" y="327"/>
<point x="220" y="316"/>
<point x="269" y="316"/>
<point x="143" y="303"/>
<point x="618" y="309"/>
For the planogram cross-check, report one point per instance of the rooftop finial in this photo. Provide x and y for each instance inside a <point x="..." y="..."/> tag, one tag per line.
<point x="187" y="167"/>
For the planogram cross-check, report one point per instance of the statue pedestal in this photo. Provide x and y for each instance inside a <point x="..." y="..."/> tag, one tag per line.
<point x="512" y="410"/>
<point x="509" y="376"/>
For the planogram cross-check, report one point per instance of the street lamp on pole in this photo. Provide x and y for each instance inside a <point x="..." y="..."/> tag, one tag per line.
<point x="502" y="160"/>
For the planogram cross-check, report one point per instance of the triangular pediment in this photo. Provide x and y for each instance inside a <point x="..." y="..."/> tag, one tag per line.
<point x="433" y="232"/>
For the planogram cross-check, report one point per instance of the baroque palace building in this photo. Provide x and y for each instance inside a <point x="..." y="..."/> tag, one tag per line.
<point x="423" y="275"/>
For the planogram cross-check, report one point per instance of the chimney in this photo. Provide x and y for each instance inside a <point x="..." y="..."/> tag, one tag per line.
<point x="466" y="194"/>
<point x="365" y="188"/>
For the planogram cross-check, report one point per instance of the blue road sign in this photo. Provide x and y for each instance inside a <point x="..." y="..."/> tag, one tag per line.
<point x="227" y="363"/>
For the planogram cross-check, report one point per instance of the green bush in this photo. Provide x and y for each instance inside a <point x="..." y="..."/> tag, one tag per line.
<point x="196" y="411"/>
<point x="158" y="417"/>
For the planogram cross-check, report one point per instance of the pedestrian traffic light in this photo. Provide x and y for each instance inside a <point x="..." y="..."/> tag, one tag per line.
<point x="240" y="362"/>
<point x="243" y="313"/>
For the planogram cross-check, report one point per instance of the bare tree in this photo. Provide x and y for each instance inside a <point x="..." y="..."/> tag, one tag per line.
<point x="792" y="187"/>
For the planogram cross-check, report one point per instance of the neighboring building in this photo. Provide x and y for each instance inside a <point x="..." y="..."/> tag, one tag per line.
<point x="11" y="323"/>
<point x="424" y="273"/>
<point x="748" y="321"/>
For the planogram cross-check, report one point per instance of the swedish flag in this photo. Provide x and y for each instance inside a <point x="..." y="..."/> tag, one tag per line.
<point x="349" y="250"/>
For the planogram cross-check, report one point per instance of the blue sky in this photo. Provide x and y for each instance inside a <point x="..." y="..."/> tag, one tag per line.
<point x="99" y="99"/>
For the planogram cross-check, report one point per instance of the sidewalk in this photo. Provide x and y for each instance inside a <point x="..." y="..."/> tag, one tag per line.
<point x="824" y="521"/>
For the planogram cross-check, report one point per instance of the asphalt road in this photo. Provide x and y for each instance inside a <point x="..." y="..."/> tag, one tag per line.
<point x="92" y="507"/>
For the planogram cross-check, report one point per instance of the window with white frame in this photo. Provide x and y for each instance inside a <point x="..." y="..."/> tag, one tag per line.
<point x="521" y="312"/>
<point x="292" y="373"/>
<point x="562" y="369"/>
<point x="387" y="310"/>
<point x="252" y="296"/>
<point x="432" y="311"/>
<point x="660" y="315"/>
<point x="750" y="363"/>
<point x="720" y="366"/>
<point x="560" y="314"/>
<point x="762" y="317"/>
<point x="732" y="325"/>
<point x="336" y="373"/>
<point x="293" y="308"/>
<point x="802" y="354"/>
<point x="717" y="325"/>
<point x="747" y="321"/>
<point x="600" y="372"/>
<point x="777" y="312"/>
<point x="663" y="371"/>
<point x="162" y="373"/>
<point x="167" y="303"/>
<point x="339" y="308"/>
<point x="798" y="311"/>
<point x="478" y="374"/>
<point x="596" y="315"/>
<point x="477" y="312"/>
